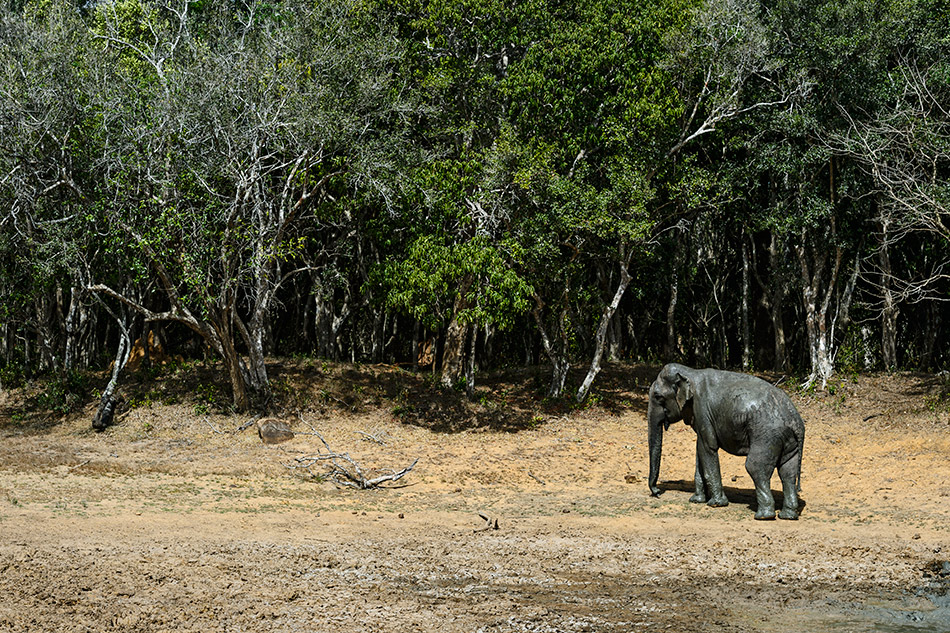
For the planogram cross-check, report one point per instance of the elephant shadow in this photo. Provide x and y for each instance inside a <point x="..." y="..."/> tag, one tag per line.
<point x="735" y="495"/>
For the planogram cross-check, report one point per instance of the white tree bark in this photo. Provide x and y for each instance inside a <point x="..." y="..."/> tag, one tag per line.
<point x="601" y="335"/>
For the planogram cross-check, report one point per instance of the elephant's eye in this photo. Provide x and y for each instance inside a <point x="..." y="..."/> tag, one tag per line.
<point x="659" y="399"/>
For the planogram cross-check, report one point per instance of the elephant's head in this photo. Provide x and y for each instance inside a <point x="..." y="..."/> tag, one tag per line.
<point x="671" y="396"/>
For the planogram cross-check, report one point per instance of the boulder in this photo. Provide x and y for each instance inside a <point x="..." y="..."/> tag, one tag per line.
<point x="274" y="431"/>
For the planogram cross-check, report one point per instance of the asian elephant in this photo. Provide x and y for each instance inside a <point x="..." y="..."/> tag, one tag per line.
<point x="738" y="413"/>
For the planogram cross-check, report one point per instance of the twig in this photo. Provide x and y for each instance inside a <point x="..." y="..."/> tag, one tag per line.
<point x="371" y="438"/>
<point x="490" y="524"/>
<point x="531" y="474"/>
<point x="249" y="423"/>
<point x="213" y="428"/>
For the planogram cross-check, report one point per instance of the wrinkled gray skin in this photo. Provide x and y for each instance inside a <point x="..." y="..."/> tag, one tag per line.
<point x="742" y="415"/>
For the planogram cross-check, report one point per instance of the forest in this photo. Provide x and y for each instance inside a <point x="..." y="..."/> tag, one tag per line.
<point x="464" y="185"/>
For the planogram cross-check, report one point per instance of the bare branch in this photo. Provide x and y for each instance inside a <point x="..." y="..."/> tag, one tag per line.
<point x="344" y="470"/>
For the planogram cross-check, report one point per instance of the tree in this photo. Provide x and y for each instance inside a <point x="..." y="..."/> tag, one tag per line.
<point x="822" y="201"/>
<point x="904" y="148"/>
<point x="44" y="184"/>
<point x="226" y="131"/>
<point x="455" y="266"/>
<point x="611" y="103"/>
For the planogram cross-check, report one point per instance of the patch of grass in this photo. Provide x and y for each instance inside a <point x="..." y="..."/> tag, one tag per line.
<point x="145" y="400"/>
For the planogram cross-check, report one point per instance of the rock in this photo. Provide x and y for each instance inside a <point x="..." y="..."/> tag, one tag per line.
<point x="274" y="431"/>
<point x="938" y="569"/>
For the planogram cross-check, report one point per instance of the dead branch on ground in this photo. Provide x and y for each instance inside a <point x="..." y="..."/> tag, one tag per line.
<point x="344" y="470"/>
<point x="490" y="524"/>
<point x="368" y="437"/>
<point x="535" y="477"/>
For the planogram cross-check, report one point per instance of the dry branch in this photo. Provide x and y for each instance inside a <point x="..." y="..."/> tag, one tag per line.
<point x="490" y="524"/>
<point x="535" y="477"/>
<point x="249" y="423"/>
<point x="344" y="470"/>
<point x="372" y="438"/>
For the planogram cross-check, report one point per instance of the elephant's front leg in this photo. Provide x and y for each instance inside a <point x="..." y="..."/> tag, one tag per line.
<point x="708" y="463"/>
<point x="700" y="495"/>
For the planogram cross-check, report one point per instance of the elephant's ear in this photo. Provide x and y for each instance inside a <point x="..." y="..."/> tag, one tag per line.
<point x="684" y="391"/>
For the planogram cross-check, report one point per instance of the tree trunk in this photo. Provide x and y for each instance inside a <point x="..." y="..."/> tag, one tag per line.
<point x="614" y="338"/>
<point x="75" y="320"/>
<point x="557" y="352"/>
<point x="221" y="337"/>
<point x="108" y="401"/>
<point x="415" y="346"/>
<point x="470" y="363"/>
<point x="773" y="300"/>
<point x="820" y="330"/>
<point x="746" y="336"/>
<point x="257" y="364"/>
<point x="328" y="323"/>
<point x="239" y="392"/>
<point x="45" y="336"/>
<point x="672" y="351"/>
<point x="889" y="307"/>
<point x="930" y="336"/>
<point x="780" y="361"/>
<point x="454" y="353"/>
<point x="601" y="335"/>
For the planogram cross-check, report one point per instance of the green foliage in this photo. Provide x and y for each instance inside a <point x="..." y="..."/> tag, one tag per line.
<point x="494" y="159"/>
<point x="207" y="399"/>
<point x="425" y="283"/>
<point x="65" y="394"/>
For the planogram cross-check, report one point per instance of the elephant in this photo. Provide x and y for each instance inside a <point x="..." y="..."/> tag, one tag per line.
<point x="739" y="413"/>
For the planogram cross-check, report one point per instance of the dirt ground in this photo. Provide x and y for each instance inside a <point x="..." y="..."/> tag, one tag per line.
<point x="175" y="520"/>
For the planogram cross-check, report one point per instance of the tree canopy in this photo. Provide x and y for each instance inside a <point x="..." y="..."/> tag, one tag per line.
<point x="471" y="184"/>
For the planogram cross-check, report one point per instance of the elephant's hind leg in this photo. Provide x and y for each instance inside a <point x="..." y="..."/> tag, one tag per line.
<point x="760" y="464"/>
<point x="788" y="471"/>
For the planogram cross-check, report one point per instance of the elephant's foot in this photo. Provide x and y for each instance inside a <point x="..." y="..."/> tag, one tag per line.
<point x="698" y="498"/>
<point x="765" y="514"/>
<point x="788" y="514"/>
<point x="718" y="502"/>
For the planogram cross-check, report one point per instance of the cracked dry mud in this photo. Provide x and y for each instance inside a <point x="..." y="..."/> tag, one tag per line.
<point x="176" y="522"/>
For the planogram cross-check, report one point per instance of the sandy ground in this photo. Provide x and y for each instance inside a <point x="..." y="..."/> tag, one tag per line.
<point x="173" y="520"/>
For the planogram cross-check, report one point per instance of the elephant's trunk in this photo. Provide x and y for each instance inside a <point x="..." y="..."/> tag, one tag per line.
<point x="655" y="421"/>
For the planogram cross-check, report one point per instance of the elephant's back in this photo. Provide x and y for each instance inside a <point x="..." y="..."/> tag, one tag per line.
<point x="752" y="393"/>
